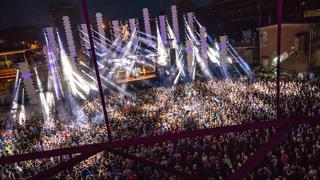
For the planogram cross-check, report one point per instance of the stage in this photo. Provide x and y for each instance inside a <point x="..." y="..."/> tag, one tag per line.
<point x="139" y="78"/>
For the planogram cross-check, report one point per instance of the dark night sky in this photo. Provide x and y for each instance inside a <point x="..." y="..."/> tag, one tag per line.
<point x="31" y="12"/>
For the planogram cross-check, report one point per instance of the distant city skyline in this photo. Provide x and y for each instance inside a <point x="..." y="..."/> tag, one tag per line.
<point x="22" y="12"/>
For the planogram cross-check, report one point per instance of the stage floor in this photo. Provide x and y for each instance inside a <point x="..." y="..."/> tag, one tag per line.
<point x="131" y="79"/>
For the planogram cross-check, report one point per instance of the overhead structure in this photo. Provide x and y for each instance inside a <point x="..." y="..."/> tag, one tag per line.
<point x="52" y="40"/>
<point x="175" y="22"/>
<point x="52" y="54"/>
<point x="190" y="19"/>
<point x="190" y="59"/>
<point x="116" y="29"/>
<point x="101" y="31"/>
<point x="85" y="38"/>
<point x="69" y="37"/>
<point x="223" y="55"/>
<point x="163" y="31"/>
<point x="133" y="24"/>
<point x="146" y="20"/>
<point x="30" y="89"/>
<point x="203" y="44"/>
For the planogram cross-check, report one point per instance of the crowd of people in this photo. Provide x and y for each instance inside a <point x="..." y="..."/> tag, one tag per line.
<point x="205" y="105"/>
<point x="159" y="110"/>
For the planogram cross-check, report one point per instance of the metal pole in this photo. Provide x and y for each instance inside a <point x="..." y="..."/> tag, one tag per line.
<point x="24" y="56"/>
<point x="5" y="57"/>
<point x="280" y="3"/>
<point x="310" y="49"/>
<point x="94" y="59"/>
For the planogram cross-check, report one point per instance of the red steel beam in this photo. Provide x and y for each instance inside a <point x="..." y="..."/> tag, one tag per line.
<point x="280" y="4"/>
<point x="258" y="156"/>
<point x="88" y="153"/>
<point x="94" y="59"/>
<point x="63" y="166"/>
<point x="8" y="76"/>
<point x="241" y="173"/>
<point x="153" y="164"/>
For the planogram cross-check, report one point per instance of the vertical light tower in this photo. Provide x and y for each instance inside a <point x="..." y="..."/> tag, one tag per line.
<point x="190" y="62"/>
<point x="132" y="24"/>
<point x="146" y="20"/>
<point x="51" y="40"/>
<point x="52" y="55"/>
<point x="85" y="39"/>
<point x="175" y="22"/>
<point x="22" y="114"/>
<point x="69" y="36"/>
<point x="116" y="29"/>
<point x="163" y="32"/>
<point x="203" y="44"/>
<point x="101" y="31"/>
<point x="14" y="107"/>
<point x="30" y="89"/>
<point x="223" y="54"/>
<point x="190" y="20"/>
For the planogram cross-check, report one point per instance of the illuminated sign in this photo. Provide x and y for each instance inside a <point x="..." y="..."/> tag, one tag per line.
<point x="312" y="13"/>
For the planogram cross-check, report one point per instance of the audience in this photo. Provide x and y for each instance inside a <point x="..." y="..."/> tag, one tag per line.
<point x="196" y="105"/>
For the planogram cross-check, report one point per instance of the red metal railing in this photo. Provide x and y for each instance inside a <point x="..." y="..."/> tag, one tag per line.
<point x="90" y="150"/>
